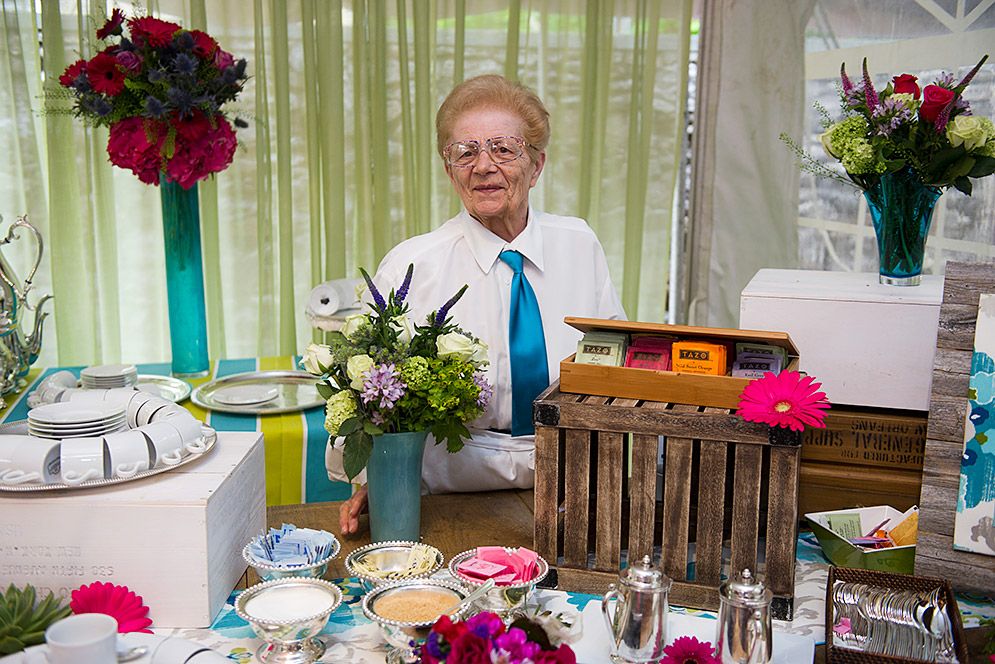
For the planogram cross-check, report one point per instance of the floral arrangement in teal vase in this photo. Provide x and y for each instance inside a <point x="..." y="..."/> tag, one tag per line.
<point x="383" y="373"/>
<point x="929" y="131"/>
<point x="160" y="90"/>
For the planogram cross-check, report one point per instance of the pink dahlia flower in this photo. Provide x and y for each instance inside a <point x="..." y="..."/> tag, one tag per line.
<point x="788" y="400"/>
<point x="689" y="650"/>
<point x="116" y="601"/>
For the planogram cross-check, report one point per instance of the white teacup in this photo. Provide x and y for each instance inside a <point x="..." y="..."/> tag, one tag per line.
<point x="84" y="459"/>
<point x="129" y="451"/>
<point x="138" y="400"/>
<point x="29" y="459"/>
<point x="87" y="638"/>
<point x="119" y="395"/>
<point x="167" y="443"/>
<point x="189" y="427"/>
<point x="149" y="408"/>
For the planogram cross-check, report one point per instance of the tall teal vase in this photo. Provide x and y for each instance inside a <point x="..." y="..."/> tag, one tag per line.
<point x="901" y="209"/>
<point x="184" y="279"/>
<point x="393" y="477"/>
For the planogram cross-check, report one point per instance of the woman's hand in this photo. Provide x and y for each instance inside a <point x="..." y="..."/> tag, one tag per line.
<point x="350" y="510"/>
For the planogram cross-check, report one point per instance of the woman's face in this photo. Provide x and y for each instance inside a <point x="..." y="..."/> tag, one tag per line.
<point x="494" y="194"/>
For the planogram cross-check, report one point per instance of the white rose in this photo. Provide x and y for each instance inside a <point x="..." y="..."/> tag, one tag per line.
<point x="824" y="138"/>
<point x="966" y="130"/>
<point x="455" y="345"/>
<point x="317" y="359"/>
<point x="351" y="324"/>
<point x="405" y="330"/>
<point x="355" y="367"/>
<point x="479" y="357"/>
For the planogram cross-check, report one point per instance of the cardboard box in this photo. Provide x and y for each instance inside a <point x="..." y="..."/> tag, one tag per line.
<point x="898" y="559"/>
<point x="868" y="344"/>
<point x="173" y="538"/>
<point x="665" y="386"/>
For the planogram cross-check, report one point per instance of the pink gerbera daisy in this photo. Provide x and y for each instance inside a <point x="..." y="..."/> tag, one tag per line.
<point x="104" y="74"/>
<point x="112" y="26"/>
<point x="788" y="400"/>
<point x="151" y="31"/>
<point x="689" y="650"/>
<point x="116" y="601"/>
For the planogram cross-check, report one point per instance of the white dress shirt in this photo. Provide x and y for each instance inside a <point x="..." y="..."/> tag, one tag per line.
<point x="565" y="265"/>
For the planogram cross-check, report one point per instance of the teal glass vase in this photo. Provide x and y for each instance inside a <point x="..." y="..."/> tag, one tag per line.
<point x="393" y="477"/>
<point x="184" y="279"/>
<point x="901" y="209"/>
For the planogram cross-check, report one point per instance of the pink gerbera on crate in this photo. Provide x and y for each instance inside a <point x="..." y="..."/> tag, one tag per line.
<point x="118" y="602"/>
<point x="689" y="650"/>
<point x="788" y="400"/>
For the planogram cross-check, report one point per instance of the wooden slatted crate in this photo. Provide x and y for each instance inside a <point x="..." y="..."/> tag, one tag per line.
<point x="725" y="480"/>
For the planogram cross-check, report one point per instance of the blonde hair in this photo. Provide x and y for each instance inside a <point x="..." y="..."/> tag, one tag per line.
<point x="493" y="91"/>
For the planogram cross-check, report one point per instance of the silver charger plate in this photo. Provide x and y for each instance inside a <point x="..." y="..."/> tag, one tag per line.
<point x="210" y="439"/>
<point x="296" y="390"/>
<point x="174" y="389"/>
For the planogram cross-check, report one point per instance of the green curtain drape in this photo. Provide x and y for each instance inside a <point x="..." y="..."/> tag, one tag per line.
<point x="338" y="163"/>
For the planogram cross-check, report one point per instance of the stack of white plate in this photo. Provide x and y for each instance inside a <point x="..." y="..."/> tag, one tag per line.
<point x="76" y="420"/>
<point x="108" y="376"/>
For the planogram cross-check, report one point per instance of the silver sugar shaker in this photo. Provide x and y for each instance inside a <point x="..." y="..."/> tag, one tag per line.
<point x="638" y="626"/>
<point x="744" y="625"/>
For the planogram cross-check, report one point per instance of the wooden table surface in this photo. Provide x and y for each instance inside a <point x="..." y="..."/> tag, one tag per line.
<point x="460" y="521"/>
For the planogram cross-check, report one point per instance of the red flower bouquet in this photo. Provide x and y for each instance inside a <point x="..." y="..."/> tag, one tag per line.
<point x="483" y="639"/>
<point x="160" y="91"/>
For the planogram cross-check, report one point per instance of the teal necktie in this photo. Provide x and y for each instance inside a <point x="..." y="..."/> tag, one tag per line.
<point x="529" y="373"/>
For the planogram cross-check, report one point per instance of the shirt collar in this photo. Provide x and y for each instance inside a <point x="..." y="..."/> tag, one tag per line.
<point x="485" y="246"/>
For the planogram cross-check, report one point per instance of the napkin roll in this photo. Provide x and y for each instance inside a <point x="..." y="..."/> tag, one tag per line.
<point x="329" y="297"/>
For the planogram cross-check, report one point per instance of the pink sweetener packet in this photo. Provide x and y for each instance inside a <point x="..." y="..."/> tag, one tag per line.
<point x="480" y="569"/>
<point x="494" y="554"/>
<point x="506" y="579"/>
<point x="531" y="566"/>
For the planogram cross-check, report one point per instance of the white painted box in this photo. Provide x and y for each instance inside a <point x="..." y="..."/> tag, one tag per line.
<point x="868" y="344"/>
<point x="173" y="538"/>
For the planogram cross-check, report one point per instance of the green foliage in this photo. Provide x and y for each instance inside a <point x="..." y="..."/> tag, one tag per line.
<point x="22" y="621"/>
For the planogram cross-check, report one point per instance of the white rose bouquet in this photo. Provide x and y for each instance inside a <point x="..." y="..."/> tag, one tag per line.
<point x="383" y="374"/>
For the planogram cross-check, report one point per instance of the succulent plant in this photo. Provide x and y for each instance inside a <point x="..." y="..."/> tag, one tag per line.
<point x="23" y="624"/>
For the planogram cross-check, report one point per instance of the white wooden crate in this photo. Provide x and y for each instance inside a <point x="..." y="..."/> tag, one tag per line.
<point x="173" y="538"/>
<point x="868" y="344"/>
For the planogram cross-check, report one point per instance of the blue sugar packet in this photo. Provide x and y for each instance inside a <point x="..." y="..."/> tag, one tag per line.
<point x="289" y="546"/>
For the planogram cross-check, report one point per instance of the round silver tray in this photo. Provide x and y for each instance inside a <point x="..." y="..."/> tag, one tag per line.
<point x="210" y="439"/>
<point x="296" y="390"/>
<point x="174" y="389"/>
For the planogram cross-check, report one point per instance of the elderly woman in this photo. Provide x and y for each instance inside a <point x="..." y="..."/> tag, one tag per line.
<point x="526" y="271"/>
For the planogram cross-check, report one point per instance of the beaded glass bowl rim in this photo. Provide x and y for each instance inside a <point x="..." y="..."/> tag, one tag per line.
<point x="457" y="559"/>
<point x="251" y="591"/>
<point x="263" y="565"/>
<point x="350" y="559"/>
<point x="374" y="594"/>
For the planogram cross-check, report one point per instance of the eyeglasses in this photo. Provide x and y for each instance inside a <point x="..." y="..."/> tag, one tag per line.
<point x="500" y="149"/>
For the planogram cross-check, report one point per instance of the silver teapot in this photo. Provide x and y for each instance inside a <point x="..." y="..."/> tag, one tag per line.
<point x="744" y="626"/>
<point x="638" y="626"/>
<point x="17" y="351"/>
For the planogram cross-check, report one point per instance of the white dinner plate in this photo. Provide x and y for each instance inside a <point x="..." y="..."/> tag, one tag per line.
<point x="62" y="426"/>
<point x="77" y="413"/>
<point x="243" y="395"/>
<point x="106" y="372"/>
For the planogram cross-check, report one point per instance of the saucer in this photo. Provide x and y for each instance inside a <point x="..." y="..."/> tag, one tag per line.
<point x="243" y="395"/>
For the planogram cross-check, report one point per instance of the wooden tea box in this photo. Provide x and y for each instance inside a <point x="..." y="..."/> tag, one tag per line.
<point x="174" y="538"/>
<point x="867" y="343"/>
<point x="728" y="485"/>
<point x="665" y="386"/>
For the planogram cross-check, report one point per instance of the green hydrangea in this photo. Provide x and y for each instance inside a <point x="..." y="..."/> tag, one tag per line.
<point x="415" y="373"/>
<point x="988" y="149"/>
<point x="848" y="139"/>
<point x="339" y="408"/>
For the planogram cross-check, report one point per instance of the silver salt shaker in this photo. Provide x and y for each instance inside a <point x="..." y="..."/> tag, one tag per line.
<point x="638" y="626"/>
<point x="744" y="625"/>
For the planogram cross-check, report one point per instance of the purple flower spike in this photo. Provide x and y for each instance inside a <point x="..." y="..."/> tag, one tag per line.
<point x="440" y="318"/>
<point x="967" y="79"/>
<point x="869" y="94"/>
<point x="944" y="117"/>
<point x="847" y="85"/>
<point x="377" y="297"/>
<point x="403" y="290"/>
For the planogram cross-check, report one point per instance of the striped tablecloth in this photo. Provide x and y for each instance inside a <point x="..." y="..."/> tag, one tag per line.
<point x="295" y="442"/>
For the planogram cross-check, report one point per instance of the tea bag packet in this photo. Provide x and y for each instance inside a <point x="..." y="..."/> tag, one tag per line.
<point x="747" y="349"/>
<point x="755" y="367"/>
<point x="907" y="531"/>
<point x="605" y="348"/>
<point x="649" y="353"/>
<point x="699" y="357"/>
